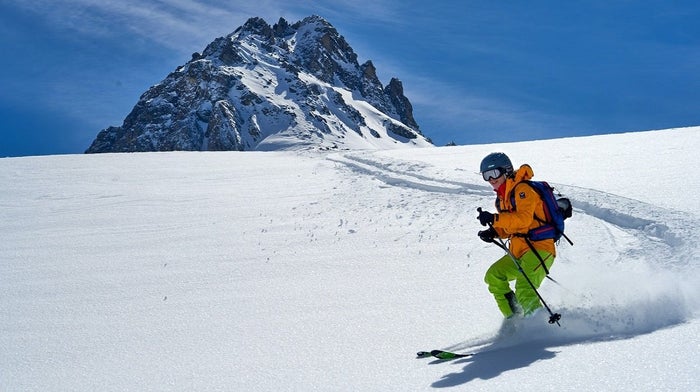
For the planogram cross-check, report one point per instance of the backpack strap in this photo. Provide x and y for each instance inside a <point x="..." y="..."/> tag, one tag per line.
<point x="512" y="200"/>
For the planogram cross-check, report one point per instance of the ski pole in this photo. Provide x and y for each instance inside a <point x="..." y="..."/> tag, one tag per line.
<point x="553" y="317"/>
<point x="544" y="266"/>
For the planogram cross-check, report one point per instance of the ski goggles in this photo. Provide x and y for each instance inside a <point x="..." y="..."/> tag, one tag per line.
<point x="492" y="174"/>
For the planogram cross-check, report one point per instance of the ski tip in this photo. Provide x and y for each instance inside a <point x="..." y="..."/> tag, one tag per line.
<point x="440" y="354"/>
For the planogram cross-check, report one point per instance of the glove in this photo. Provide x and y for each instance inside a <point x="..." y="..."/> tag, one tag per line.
<point x="488" y="235"/>
<point x="485" y="217"/>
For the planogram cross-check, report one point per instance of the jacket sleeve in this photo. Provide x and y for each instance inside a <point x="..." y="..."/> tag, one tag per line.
<point x="520" y="220"/>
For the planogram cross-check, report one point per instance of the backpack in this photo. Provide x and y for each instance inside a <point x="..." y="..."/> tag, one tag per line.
<point x="556" y="210"/>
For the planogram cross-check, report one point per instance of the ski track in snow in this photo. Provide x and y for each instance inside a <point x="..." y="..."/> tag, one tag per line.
<point x="406" y="175"/>
<point x="642" y="287"/>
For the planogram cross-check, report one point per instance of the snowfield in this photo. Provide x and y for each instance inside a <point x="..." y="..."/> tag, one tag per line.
<point x="302" y="271"/>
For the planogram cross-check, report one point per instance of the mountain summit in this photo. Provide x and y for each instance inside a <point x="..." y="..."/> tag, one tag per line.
<point x="262" y="87"/>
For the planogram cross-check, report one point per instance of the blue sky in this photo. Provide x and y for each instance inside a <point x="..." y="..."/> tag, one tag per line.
<point x="475" y="71"/>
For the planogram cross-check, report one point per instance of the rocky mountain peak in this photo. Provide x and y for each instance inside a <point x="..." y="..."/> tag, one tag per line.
<point x="258" y="26"/>
<point x="262" y="87"/>
<point x="282" y="28"/>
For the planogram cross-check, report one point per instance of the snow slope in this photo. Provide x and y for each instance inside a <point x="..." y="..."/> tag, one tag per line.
<point x="302" y="271"/>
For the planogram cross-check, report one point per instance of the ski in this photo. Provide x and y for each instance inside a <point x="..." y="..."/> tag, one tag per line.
<point x="441" y="354"/>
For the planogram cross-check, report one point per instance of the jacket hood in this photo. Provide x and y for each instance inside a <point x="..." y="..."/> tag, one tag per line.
<point x="523" y="173"/>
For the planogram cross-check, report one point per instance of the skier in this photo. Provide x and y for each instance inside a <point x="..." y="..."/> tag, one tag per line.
<point x="512" y="222"/>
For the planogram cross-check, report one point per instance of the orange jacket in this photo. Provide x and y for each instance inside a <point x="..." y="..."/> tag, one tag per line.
<point x="519" y="219"/>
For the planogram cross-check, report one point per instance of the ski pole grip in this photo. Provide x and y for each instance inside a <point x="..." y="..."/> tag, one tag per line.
<point x="478" y="209"/>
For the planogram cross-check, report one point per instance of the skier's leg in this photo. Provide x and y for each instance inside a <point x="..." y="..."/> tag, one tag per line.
<point x="524" y="293"/>
<point x="497" y="278"/>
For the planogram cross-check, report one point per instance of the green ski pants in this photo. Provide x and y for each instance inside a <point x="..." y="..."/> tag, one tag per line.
<point x="504" y="270"/>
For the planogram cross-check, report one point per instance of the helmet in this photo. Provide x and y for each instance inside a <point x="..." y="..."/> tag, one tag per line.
<point x="496" y="160"/>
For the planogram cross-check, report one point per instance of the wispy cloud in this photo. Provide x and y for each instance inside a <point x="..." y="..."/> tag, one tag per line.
<point x="179" y="25"/>
<point x="185" y="25"/>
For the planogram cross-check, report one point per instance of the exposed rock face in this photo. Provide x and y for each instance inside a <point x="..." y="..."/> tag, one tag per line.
<point x="267" y="88"/>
